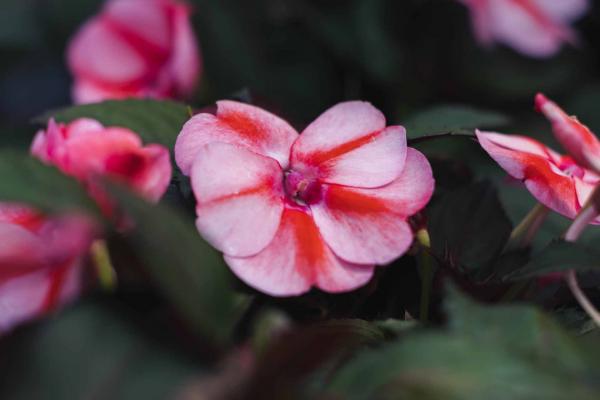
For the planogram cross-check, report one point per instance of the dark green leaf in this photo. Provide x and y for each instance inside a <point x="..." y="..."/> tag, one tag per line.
<point x="452" y="118"/>
<point x="189" y="272"/>
<point x="559" y="256"/>
<point x="25" y="179"/>
<point x="521" y="329"/>
<point x="487" y="353"/>
<point x="469" y="227"/>
<point x="305" y="352"/>
<point x="155" y="121"/>
<point x="90" y="351"/>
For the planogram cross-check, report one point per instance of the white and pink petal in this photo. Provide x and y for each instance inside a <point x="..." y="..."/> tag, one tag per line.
<point x="350" y="145"/>
<point x="239" y="124"/>
<point x="239" y="197"/>
<point x="298" y="259"/>
<point x="370" y="225"/>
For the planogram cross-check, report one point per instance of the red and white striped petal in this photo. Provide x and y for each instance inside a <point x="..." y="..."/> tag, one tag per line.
<point x="537" y="28"/>
<point x="239" y="124"/>
<point x="36" y="294"/>
<point x="544" y="180"/>
<point x="349" y="145"/>
<point x="99" y="65"/>
<point x="86" y="91"/>
<point x="575" y="137"/>
<point x="369" y="225"/>
<point x="185" y="62"/>
<point x="145" y="21"/>
<point x="563" y="10"/>
<point x="298" y="259"/>
<point x="87" y="153"/>
<point x="239" y="198"/>
<point x="21" y="251"/>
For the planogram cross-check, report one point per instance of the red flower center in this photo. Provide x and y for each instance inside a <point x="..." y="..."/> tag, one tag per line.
<point x="570" y="168"/>
<point x="301" y="189"/>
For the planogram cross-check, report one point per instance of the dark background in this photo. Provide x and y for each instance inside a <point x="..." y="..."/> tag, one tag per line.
<point x="298" y="57"/>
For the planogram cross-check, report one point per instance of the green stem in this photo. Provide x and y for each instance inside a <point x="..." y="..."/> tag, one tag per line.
<point x="523" y="234"/>
<point x="102" y="263"/>
<point x="426" y="273"/>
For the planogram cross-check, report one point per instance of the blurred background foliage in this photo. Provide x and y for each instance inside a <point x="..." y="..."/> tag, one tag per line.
<point x="418" y="62"/>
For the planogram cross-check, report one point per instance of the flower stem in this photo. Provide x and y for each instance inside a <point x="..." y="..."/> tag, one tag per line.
<point x="102" y="263"/>
<point x="590" y="211"/>
<point x="426" y="273"/>
<point x="523" y="234"/>
<point x="584" y="302"/>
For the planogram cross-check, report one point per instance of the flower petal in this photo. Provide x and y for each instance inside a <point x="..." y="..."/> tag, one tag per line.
<point x="239" y="198"/>
<point x="142" y="20"/>
<point x="21" y="251"/>
<point x="349" y="145"/>
<point x="298" y="259"/>
<point x="86" y="91"/>
<point x="528" y="27"/>
<point x="93" y="52"/>
<point x="546" y="183"/>
<point x="564" y="10"/>
<point x="239" y="124"/>
<point x="35" y="294"/>
<point x="185" y="62"/>
<point x="369" y="225"/>
<point x="575" y="137"/>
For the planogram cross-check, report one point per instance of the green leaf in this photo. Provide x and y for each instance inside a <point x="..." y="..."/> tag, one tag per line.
<point x="521" y="329"/>
<point x="559" y="256"/>
<point x="155" y="121"/>
<point x="308" y="351"/>
<point x="452" y="118"/>
<point x="25" y="179"/>
<point x="468" y="226"/>
<point x="91" y="350"/>
<point x="488" y="352"/>
<point x="189" y="272"/>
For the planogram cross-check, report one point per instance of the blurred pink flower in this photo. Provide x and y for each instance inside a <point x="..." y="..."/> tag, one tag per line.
<point x="294" y="211"/>
<point x="40" y="262"/>
<point x="86" y="150"/>
<point x="575" y="137"/>
<point x="135" y="48"/>
<point x="536" y="28"/>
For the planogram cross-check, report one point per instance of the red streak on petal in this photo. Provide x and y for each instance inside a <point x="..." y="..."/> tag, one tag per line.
<point x="150" y="51"/>
<point x="310" y="251"/>
<point x="245" y="192"/>
<point x="538" y="16"/>
<point x="346" y="200"/>
<point x="126" y="165"/>
<point x="243" y="125"/>
<point x="57" y="279"/>
<point x="320" y="157"/>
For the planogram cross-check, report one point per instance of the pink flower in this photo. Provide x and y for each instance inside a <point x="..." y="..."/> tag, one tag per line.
<point x="40" y="262"/>
<point x="536" y="28"/>
<point x="575" y="137"/>
<point x="559" y="182"/>
<point x="135" y="48"/>
<point x="85" y="149"/>
<point x="294" y="211"/>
